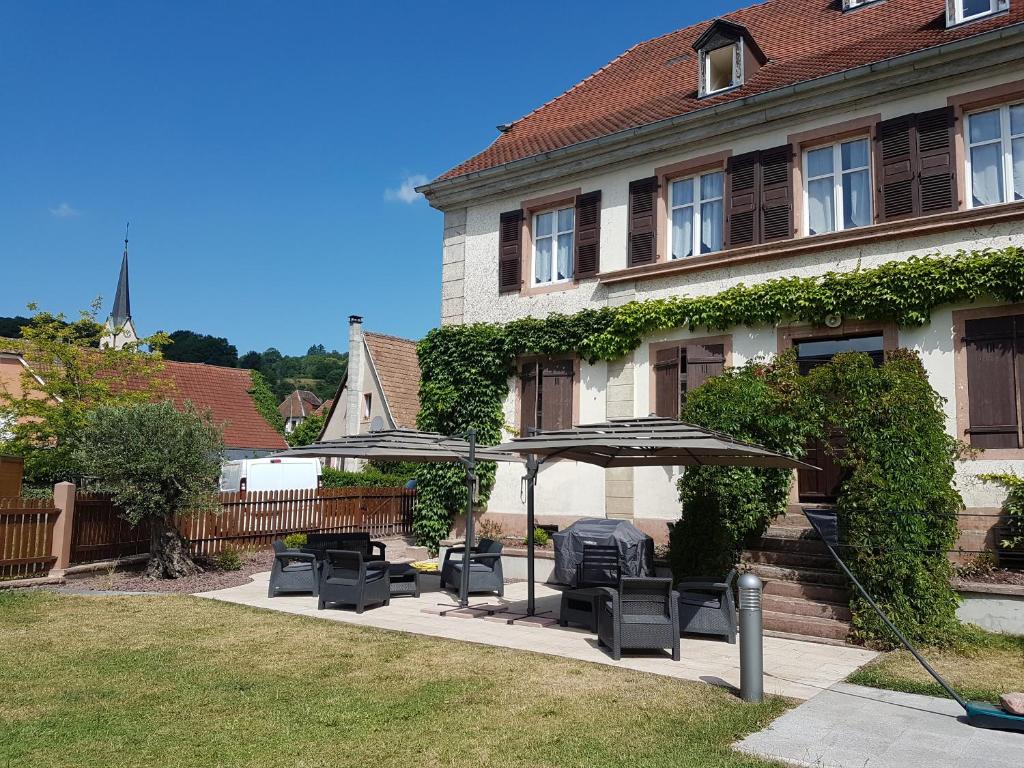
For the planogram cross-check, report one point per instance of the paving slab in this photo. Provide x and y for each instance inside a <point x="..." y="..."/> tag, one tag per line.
<point x="793" y="668"/>
<point x="849" y="726"/>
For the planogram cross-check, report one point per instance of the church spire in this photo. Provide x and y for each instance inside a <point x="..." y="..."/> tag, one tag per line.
<point x="119" y="327"/>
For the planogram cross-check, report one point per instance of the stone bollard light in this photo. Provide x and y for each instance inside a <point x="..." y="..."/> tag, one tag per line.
<point x="751" y="639"/>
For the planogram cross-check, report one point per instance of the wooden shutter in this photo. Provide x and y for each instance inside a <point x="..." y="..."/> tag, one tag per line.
<point x="742" y="178"/>
<point x="776" y="195"/>
<point x="528" y="399"/>
<point x="556" y="385"/>
<point x="936" y="161"/>
<point x="666" y="382"/>
<point x="702" y="362"/>
<point x="510" y="251"/>
<point x="643" y="221"/>
<point x="588" y="235"/>
<point x="896" y="166"/>
<point x="993" y="353"/>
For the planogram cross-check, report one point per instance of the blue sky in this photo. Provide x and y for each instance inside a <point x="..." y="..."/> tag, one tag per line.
<point x="260" y="149"/>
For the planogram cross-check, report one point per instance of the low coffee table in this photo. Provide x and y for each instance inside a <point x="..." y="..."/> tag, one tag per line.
<point x="405" y="580"/>
<point x="580" y="606"/>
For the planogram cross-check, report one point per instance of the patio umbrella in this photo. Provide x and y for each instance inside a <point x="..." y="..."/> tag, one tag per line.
<point x="415" y="446"/>
<point x="648" y="441"/>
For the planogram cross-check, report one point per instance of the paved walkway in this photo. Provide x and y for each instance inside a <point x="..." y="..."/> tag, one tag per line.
<point x="793" y="668"/>
<point x="853" y="727"/>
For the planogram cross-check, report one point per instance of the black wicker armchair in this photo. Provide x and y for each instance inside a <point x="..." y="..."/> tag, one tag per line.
<point x="347" y="579"/>
<point x="707" y="607"/>
<point x="293" y="571"/>
<point x="319" y="543"/>
<point x="640" y="614"/>
<point x="485" y="574"/>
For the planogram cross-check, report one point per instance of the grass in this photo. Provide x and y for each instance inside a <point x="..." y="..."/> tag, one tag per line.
<point x="985" y="667"/>
<point x="181" y="681"/>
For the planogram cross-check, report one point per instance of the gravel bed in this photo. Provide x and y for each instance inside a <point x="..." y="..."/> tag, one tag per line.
<point x="134" y="580"/>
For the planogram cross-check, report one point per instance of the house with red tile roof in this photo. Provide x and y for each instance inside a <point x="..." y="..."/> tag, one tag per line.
<point x="297" y="407"/>
<point x="381" y="386"/>
<point x="786" y="138"/>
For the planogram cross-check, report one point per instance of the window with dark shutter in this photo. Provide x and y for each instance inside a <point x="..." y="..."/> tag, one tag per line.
<point x="896" y="164"/>
<point x="588" y="234"/>
<point x="995" y="365"/>
<point x="776" y="195"/>
<point x="510" y="251"/>
<point x="546" y="398"/>
<point x="667" y="399"/>
<point x="915" y="163"/>
<point x="742" y="197"/>
<point x="937" y="166"/>
<point x="678" y="370"/>
<point x="702" y="362"/>
<point x="642" y="221"/>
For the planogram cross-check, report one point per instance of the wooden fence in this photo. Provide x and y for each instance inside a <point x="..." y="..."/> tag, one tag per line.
<point x="99" y="532"/>
<point x="26" y="537"/>
<point x="256" y="518"/>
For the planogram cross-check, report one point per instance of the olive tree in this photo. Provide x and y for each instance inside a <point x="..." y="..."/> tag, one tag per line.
<point x="158" y="464"/>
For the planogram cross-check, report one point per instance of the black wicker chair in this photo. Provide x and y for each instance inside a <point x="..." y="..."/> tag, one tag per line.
<point x="600" y="567"/>
<point x="346" y="578"/>
<point x="707" y="607"/>
<point x="319" y="543"/>
<point x="293" y="571"/>
<point x="641" y="614"/>
<point x="485" y="574"/>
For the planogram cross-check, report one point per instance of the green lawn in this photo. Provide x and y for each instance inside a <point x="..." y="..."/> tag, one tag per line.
<point x="181" y="681"/>
<point x="987" y="666"/>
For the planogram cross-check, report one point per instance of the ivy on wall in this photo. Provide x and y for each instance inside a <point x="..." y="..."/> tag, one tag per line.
<point x="465" y="368"/>
<point x="265" y="402"/>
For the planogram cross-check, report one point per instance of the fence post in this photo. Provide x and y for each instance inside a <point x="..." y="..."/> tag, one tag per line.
<point x="64" y="500"/>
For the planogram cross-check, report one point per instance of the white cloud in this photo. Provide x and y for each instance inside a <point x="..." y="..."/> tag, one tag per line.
<point x="407" y="192"/>
<point x="64" y="211"/>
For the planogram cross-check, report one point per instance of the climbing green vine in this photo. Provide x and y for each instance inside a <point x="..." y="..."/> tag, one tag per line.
<point x="465" y="368"/>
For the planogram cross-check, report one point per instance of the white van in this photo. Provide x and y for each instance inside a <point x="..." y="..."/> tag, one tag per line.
<point x="270" y="474"/>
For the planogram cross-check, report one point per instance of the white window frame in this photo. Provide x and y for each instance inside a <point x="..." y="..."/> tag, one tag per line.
<point x="849" y="5"/>
<point x="555" y="233"/>
<point x="837" y="184"/>
<point x="955" y="11"/>
<point x="697" y="221"/>
<point x="736" y="78"/>
<point x="367" y="405"/>
<point x="1005" y="140"/>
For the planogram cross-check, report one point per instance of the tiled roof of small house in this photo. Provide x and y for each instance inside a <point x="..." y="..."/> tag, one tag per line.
<point x="398" y="370"/>
<point x="657" y="79"/>
<point x="299" y="404"/>
<point x="325" y="407"/>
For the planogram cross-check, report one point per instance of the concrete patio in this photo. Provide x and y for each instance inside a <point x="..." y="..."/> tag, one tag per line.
<point x="793" y="668"/>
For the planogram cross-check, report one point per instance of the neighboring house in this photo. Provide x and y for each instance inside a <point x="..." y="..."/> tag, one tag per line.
<point x="297" y="407"/>
<point x="790" y="138"/>
<point x="383" y="380"/>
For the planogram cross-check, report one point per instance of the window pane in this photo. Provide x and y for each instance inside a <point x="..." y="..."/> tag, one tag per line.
<point x="682" y="232"/>
<point x="542" y="261"/>
<point x="984" y="126"/>
<point x="974" y="7"/>
<point x="544" y="222"/>
<point x="711" y="226"/>
<point x="819" y="162"/>
<point x="564" y="257"/>
<point x="987" y="174"/>
<point x="1018" y="169"/>
<point x="1017" y="119"/>
<point x="855" y="154"/>
<point x="711" y="185"/>
<point x="856" y="199"/>
<point x="565" y="219"/>
<point x="820" y="206"/>
<point x="682" y="192"/>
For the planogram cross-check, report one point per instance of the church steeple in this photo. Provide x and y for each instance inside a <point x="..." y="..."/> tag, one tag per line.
<point x="120" y="329"/>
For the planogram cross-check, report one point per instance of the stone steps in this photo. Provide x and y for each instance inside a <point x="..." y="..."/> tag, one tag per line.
<point x="809" y="627"/>
<point x="800" y="606"/>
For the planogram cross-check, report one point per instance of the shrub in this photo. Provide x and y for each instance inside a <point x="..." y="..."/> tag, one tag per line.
<point x="1013" y="508"/>
<point x="295" y="541"/>
<point x="228" y="559"/>
<point x="367" y="478"/>
<point x="540" y="537"/>
<point x="489" y="529"/>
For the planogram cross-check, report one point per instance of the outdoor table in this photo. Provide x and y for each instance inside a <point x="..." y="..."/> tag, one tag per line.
<point x="405" y="580"/>
<point x="580" y="606"/>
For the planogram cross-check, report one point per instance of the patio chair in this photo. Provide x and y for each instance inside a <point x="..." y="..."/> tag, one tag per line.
<point x="346" y="578"/>
<point x="600" y="567"/>
<point x="293" y="571"/>
<point x="707" y="607"/>
<point x="485" y="574"/>
<point x="641" y="613"/>
<point x="359" y="541"/>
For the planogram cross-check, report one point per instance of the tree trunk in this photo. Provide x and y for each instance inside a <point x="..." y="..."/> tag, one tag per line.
<point x="169" y="556"/>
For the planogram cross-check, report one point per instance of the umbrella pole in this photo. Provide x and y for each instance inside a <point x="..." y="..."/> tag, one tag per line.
<point x="470" y="484"/>
<point x="531" y="482"/>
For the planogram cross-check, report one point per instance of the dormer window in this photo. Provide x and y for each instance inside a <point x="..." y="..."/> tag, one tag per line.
<point x="728" y="57"/>
<point x="960" y="11"/>
<point x="849" y="5"/>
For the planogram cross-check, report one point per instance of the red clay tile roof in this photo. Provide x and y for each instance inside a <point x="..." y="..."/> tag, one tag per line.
<point x="398" y="369"/>
<point x="299" y="404"/>
<point x="657" y="79"/>
<point x="224" y="392"/>
<point x="325" y="407"/>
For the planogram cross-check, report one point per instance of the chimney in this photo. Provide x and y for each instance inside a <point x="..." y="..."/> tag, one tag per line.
<point x="356" y="365"/>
